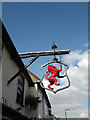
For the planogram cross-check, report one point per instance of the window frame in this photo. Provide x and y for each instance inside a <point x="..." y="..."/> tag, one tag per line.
<point x="20" y="90"/>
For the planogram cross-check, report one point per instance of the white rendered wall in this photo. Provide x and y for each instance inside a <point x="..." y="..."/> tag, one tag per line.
<point x="9" y="92"/>
<point x="43" y="108"/>
<point x="28" y="111"/>
<point x="9" y="68"/>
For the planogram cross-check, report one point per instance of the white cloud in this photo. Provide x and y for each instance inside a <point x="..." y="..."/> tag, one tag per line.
<point x="87" y="44"/>
<point x="83" y="115"/>
<point x="78" y="91"/>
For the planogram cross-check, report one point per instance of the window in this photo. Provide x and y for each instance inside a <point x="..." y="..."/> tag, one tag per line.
<point x="20" y="90"/>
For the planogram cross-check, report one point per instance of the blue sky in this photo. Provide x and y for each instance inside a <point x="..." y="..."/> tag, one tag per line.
<point x="34" y="26"/>
<point x="31" y="23"/>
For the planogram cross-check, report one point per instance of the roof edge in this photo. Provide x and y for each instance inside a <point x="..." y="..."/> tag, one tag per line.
<point x="14" y="54"/>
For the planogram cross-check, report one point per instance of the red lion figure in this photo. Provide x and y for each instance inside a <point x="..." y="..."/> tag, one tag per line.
<point x="55" y="73"/>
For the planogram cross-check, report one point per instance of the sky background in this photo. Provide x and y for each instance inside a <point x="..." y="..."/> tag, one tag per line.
<point x="34" y="26"/>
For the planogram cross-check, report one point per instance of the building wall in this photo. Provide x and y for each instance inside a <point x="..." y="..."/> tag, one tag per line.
<point x="27" y="110"/>
<point x="43" y="108"/>
<point x="46" y="110"/>
<point x="9" y="68"/>
<point x="9" y="92"/>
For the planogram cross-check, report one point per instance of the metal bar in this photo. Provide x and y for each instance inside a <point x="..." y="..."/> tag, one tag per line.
<point x="45" y="53"/>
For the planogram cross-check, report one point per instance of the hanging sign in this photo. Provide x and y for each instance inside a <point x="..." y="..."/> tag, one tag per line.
<point x="52" y="74"/>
